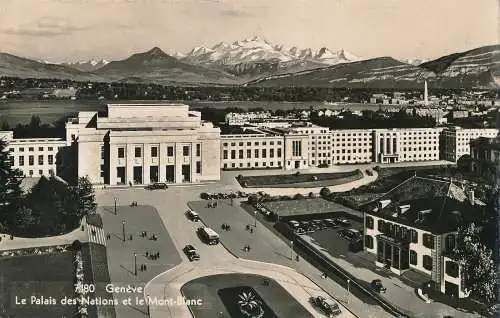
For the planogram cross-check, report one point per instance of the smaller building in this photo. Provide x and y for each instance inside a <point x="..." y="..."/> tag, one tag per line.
<point x="485" y="155"/>
<point x="414" y="226"/>
<point x="455" y="141"/>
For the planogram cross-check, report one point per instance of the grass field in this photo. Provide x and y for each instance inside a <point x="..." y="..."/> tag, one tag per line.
<point x="48" y="275"/>
<point x="306" y="206"/>
<point x="306" y="180"/>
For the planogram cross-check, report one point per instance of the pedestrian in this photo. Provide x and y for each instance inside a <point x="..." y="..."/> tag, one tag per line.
<point x="131" y="237"/>
<point x="158" y="254"/>
<point x="145" y="267"/>
<point x="147" y="254"/>
<point x="251" y="230"/>
<point x="229" y="227"/>
<point x="247" y="227"/>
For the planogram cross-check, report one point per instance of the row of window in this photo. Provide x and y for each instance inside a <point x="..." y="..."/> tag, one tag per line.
<point x="249" y="165"/>
<point x="399" y="232"/>
<point x="258" y="153"/>
<point x="31" y="160"/>
<point x="154" y="151"/>
<point x="31" y="149"/>
<point x="257" y="143"/>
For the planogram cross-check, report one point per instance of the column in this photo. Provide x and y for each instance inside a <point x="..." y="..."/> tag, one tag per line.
<point x="113" y="158"/>
<point x="130" y="162"/>
<point x="162" y="163"/>
<point x="179" y="161"/>
<point x="146" y="163"/>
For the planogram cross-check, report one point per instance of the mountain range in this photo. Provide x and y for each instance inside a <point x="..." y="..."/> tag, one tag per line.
<point x="256" y="61"/>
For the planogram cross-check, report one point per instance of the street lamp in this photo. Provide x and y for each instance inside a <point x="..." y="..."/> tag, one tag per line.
<point x="348" y="282"/>
<point x="291" y="250"/>
<point x="116" y="212"/>
<point x="135" y="264"/>
<point x="255" y="219"/>
<point x="123" y="230"/>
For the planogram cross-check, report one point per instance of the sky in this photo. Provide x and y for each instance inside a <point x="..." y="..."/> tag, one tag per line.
<point x="71" y="30"/>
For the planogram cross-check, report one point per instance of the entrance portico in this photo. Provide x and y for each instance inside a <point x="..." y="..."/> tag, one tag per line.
<point x="392" y="254"/>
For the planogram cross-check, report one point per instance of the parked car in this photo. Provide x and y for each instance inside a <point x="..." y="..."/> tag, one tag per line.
<point x="378" y="286"/>
<point x="328" y="306"/>
<point x="319" y="224"/>
<point x="191" y="253"/>
<point x="329" y="222"/>
<point x="294" y="224"/>
<point x="193" y="216"/>
<point x="343" y="222"/>
<point x="300" y="230"/>
<point x="350" y="234"/>
<point x="157" y="186"/>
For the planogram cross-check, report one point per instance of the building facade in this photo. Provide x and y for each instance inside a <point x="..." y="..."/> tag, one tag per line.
<point x="485" y="155"/>
<point x="34" y="157"/>
<point x="145" y="143"/>
<point x="414" y="227"/>
<point x="406" y="144"/>
<point x="455" y="141"/>
<point x="352" y="146"/>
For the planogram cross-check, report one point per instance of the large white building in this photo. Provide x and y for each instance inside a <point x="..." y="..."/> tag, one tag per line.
<point x="406" y="144"/>
<point x="34" y="157"/>
<point x="351" y="146"/>
<point x="455" y="141"/>
<point x="144" y="143"/>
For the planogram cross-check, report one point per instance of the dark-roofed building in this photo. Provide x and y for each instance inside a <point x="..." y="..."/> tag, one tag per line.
<point x="413" y="226"/>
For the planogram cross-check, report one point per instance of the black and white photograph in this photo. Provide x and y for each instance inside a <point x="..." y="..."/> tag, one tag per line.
<point x="249" y="158"/>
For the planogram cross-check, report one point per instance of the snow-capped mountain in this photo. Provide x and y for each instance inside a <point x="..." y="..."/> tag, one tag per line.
<point x="259" y="55"/>
<point x="87" y="66"/>
<point x="414" y="62"/>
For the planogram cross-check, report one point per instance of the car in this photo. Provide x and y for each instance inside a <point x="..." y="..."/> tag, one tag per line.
<point x="350" y="234"/>
<point x="299" y="230"/>
<point x="157" y="186"/>
<point x="319" y="224"/>
<point x="330" y="222"/>
<point x="294" y="224"/>
<point x="328" y="306"/>
<point x="343" y="222"/>
<point x="192" y="215"/>
<point x="377" y="285"/>
<point x="191" y="253"/>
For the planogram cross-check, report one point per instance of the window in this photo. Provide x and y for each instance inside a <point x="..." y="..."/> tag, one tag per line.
<point x="413" y="257"/>
<point x="225" y="144"/>
<point x="198" y="166"/>
<point x="271" y="153"/>
<point x="279" y="153"/>
<point x="31" y="149"/>
<point x="40" y="172"/>
<point x="428" y="240"/>
<point x="414" y="236"/>
<point x="296" y="148"/>
<point x="450" y="242"/>
<point x="185" y="151"/>
<point x="170" y="151"/>
<point x="369" y="222"/>
<point x="31" y="161"/>
<point x="154" y="152"/>
<point x="256" y="153"/>
<point x="21" y="149"/>
<point x="198" y="150"/>
<point x="369" y="241"/>
<point x="427" y="262"/>
<point x="381" y="226"/>
<point x="21" y="160"/>
<point x="11" y="149"/>
<point x="51" y="148"/>
<point x="240" y="154"/>
<point x="233" y="154"/>
<point x="40" y="160"/>
<point x="31" y="172"/>
<point x="121" y="152"/>
<point x="451" y="269"/>
<point x="264" y="153"/>
<point x="102" y="152"/>
<point x="51" y="159"/>
<point x="224" y="154"/>
<point x="40" y="148"/>
<point x="138" y="152"/>
<point x="249" y="153"/>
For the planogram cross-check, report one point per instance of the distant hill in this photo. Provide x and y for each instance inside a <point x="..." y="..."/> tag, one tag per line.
<point x="383" y="72"/>
<point x="87" y="66"/>
<point x="11" y="65"/>
<point x="159" y="67"/>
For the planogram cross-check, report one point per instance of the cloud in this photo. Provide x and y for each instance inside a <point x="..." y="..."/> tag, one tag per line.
<point x="236" y="13"/>
<point x="46" y="26"/>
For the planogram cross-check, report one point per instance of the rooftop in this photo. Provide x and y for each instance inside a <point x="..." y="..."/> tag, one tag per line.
<point x="433" y="205"/>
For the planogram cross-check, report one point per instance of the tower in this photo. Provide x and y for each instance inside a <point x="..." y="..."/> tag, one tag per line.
<point x="426" y="95"/>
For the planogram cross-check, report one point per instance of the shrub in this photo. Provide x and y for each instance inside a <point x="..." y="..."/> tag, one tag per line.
<point x="76" y="245"/>
<point x="204" y="195"/>
<point x="252" y="199"/>
<point x="298" y="196"/>
<point x="287" y="197"/>
<point x="324" y="192"/>
<point x="239" y="177"/>
<point x="311" y="195"/>
<point x="297" y="173"/>
<point x="323" y="165"/>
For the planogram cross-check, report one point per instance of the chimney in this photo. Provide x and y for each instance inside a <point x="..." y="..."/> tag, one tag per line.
<point x="403" y="208"/>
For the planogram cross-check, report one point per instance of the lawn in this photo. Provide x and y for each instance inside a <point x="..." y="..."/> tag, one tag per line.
<point x="302" y="180"/>
<point x="305" y="206"/>
<point x="220" y="295"/>
<point x="48" y="275"/>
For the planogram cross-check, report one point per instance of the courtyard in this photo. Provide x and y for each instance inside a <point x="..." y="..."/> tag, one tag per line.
<point x="307" y="206"/>
<point x="221" y="294"/>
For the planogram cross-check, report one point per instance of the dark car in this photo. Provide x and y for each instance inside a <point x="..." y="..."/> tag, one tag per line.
<point x="191" y="253"/>
<point x="329" y="222"/>
<point x="157" y="186"/>
<point x="378" y="286"/>
<point x="319" y="224"/>
<point x="328" y="306"/>
<point x="343" y="222"/>
<point x="350" y="234"/>
<point x="193" y="216"/>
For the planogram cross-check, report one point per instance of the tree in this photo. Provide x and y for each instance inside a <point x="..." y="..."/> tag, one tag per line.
<point x="478" y="269"/>
<point x="325" y="192"/>
<point x="10" y="190"/>
<point x="85" y="197"/>
<point x="464" y="163"/>
<point x="25" y="221"/>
